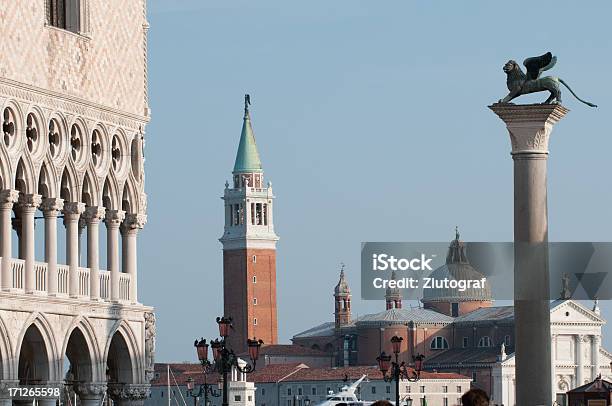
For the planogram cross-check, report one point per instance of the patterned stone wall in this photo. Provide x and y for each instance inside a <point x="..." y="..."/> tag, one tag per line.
<point x="105" y="64"/>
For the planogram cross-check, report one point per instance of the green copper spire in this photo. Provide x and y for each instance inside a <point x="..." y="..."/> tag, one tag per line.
<point x="247" y="158"/>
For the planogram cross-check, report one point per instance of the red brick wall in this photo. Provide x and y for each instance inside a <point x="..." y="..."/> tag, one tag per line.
<point x="239" y="292"/>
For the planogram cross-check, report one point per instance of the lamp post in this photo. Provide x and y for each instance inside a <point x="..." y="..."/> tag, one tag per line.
<point x="205" y="390"/>
<point x="224" y="358"/>
<point x="398" y="371"/>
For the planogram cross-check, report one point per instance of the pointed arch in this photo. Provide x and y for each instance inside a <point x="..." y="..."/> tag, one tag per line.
<point x="47" y="182"/>
<point x="24" y="176"/>
<point x="86" y="337"/>
<point x="38" y="326"/>
<point x="5" y="169"/>
<point x="6" y="351"/>
<point x="69" y="190"/>
<point x="110" y="195"/>
<point x="122" y="338"/>
<point x="129" y="197"/>
<point x="90" y="194"/>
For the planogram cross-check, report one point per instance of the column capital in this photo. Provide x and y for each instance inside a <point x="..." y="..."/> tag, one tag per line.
<point x="90" y="390"/>
<point x="133" y="222"/>
<point x="125" y="391"/>
<point x="50" y="206"/>
<point x="93" y="214"/>
<point x="8" y="197"/>
<point x="114" y="217"/>
<point x="29" y="202"/>
<point x="529" y="125"/>
<point x="73" y="208"/>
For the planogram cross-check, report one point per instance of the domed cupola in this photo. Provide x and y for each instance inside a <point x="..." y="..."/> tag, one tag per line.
<point x="454" y="301"/>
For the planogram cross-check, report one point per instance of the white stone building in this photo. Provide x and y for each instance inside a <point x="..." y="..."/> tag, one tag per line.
<point x="169" y="386"/>
<point x="73" y="106"/>
<point x="297" y="384"/>
<point x="577" y="354"/>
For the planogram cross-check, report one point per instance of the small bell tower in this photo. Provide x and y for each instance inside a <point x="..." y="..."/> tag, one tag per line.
<point x="342" y="300"/>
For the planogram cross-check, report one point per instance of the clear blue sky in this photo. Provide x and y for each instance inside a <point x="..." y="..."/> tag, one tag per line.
<point x="371" y="122"/>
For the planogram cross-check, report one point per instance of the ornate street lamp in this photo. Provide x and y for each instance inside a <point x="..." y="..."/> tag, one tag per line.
<point x="205" y="390"/>
<point x="224" y="358"/>
<point x="398" y="371"/>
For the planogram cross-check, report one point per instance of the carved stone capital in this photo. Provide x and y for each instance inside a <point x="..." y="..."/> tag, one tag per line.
<point x="529" y="125"/>
<point x="128" y="391"/>
<point x="133" y="222"/>
<point x="93" y="214"/>
<point x="28" y="203"/>
<point x="8" y="197"/>
<point x="5" y="385"/>
<point x="51" y="206"/>
<point x="74" y="209"/>
<point x="114" y="217"/>
<point x="90" y="390"/>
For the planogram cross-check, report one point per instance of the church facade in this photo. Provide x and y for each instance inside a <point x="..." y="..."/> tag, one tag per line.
<point x="463" y="333"/>
<point x="74" y="106"/>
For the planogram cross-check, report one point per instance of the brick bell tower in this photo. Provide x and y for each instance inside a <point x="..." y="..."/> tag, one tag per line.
<point x="249" y="247"/>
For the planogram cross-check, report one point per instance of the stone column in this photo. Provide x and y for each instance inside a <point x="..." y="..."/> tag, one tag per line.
<point x="27" y="206"/>
<point x="7" y="199"/>
<point x="595" y="339"/>
<point x="129" y="394"/>
<point x="530" y="127"/>
<point x="129" y="231"/>
<point x="50" y="208"/>
<point x="113" y="220"/>
<point x="17" y="226"/>
<point x="72" y="212"/>
<point x="579" y="360"/>
<point x="90" y="393"/>
<point x="92" y="217"/>
<point x="82" y="225"/>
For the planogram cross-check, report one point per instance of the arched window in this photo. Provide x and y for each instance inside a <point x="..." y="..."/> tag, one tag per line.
<point x="484" y="341"/>
<point x="439" y="343"/>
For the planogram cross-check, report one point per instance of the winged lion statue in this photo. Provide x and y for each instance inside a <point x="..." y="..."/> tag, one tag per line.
<point x="520" y="83"/>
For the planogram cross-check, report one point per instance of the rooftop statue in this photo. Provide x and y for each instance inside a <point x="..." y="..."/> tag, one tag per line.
<point x="520" y="83"/>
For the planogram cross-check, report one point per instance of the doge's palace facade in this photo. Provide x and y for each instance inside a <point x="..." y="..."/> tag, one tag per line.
<point x="73" y="105"/>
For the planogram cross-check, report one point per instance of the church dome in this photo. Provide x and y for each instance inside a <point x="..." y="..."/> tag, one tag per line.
<point x="457" y="267"/>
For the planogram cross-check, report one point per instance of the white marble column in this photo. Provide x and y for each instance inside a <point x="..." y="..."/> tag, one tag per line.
<point x="7" y="199"/>
<point x="529" y="127"/>
<point x="27" y="206"/>
<point x="579" y="360"/>
<point x="129" y="231"/>
<point x="92" y="217"/>
<point x="51" y="208"/>
<point x="595" y="339"/>
<point x="113" y="220"/>
<point x="72" y="212"/>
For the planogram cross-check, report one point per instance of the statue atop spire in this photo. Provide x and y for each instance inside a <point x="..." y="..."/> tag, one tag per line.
<point x="247" y="103"/>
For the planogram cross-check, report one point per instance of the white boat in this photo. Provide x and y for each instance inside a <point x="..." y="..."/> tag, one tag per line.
<point x="346" y="396"/>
